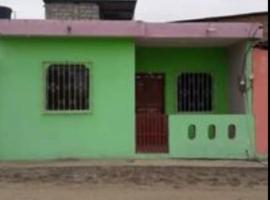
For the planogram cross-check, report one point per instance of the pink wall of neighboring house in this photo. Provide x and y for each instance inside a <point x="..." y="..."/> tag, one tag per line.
<point x="260" y="99"/>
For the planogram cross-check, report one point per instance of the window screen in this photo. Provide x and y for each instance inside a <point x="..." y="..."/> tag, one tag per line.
<point x="67" y="87"/>
<point x="195" y="92"/>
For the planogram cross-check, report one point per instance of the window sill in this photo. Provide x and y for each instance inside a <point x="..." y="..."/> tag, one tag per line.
<point x="73" y="112"/>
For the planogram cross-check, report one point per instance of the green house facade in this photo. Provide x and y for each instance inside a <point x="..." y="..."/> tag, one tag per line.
<point x="126" y="90"/>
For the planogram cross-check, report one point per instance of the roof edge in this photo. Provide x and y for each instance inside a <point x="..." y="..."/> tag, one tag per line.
<point x="132" y="29"/>
<point x="221" y="17"/>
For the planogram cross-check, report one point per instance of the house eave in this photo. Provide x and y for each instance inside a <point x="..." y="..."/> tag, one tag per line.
<point x="131" y="29"/>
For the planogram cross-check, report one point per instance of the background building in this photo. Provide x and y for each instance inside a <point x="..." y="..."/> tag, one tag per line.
<point x="90" y="9"/>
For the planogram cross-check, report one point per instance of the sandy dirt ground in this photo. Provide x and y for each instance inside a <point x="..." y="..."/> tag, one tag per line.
<point x="133" y="183"/>
<point x="127" y="192"/>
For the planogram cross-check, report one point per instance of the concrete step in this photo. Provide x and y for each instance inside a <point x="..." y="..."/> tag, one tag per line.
<point x="138" y="163"/>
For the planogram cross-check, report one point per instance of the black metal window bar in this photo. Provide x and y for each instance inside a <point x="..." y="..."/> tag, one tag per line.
<point x="195" y="92"/>
<point x="67" y="87"/>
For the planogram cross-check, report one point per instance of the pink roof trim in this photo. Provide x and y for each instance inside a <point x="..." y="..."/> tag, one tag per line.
<point x="132" y="29"/>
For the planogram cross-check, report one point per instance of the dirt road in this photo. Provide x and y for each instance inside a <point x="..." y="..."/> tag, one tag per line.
<point x="51" y="191"/>
<point x="133" y="183"/>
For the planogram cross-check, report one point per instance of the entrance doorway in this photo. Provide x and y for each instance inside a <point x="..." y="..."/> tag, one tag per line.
<point x="151" y="120"/>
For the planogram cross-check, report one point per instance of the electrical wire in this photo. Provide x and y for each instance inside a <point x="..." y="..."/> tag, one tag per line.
<point x="243" y="75"/>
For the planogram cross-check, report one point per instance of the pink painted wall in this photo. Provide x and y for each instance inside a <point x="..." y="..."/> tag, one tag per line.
<point x="260" y="99"/>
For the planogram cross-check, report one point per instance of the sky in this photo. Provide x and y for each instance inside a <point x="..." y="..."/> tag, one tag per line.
<point x="150" y="10"/>
<point x="25" y="9"/>
<point x="177" y="10"/>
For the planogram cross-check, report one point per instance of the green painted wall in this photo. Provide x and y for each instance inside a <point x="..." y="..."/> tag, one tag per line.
<point x="201" y="147"/>
<point x="221" y="147"/>
<point x="26" y="132"/>
<point x="173" y="61"/>
<point x="108" y="131"/>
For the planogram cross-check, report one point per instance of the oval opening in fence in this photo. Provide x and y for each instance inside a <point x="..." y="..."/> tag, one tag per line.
<point x="192" y="132"/>
<point x="212" y="132"/>
<point x="232" y="131"/>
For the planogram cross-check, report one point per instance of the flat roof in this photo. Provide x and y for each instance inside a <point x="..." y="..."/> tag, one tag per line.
<point x="140" y="31"/>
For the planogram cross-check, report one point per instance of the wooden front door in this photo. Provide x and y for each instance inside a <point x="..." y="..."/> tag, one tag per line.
<point x="151" y="120"/>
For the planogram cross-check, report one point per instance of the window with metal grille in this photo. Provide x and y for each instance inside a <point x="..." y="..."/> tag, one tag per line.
<point x="195" y="92"/>
<point x="67" y="87"/>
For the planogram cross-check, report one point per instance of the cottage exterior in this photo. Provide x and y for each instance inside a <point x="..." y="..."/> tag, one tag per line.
<point x="124" y="89"/>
